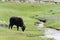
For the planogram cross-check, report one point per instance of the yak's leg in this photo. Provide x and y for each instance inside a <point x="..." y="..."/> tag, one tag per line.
<point x="17" y="28"/>
<point x="10" y="26"/>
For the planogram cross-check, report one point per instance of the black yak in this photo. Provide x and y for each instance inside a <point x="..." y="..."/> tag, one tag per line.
<point x="18" y="22"/>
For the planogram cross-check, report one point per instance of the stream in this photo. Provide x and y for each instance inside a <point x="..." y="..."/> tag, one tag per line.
<point x="51" y="33"/>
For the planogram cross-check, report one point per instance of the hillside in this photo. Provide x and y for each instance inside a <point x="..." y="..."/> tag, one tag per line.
<point x="50" y="12"/>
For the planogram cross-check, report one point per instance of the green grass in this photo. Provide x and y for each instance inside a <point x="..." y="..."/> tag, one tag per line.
<point x="6" y="34"/>
<point x="26" y="11"/>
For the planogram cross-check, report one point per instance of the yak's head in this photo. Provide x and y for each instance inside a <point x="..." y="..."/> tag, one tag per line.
<point x="23" y="28"/>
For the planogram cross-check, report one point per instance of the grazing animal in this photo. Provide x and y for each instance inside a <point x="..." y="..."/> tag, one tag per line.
<point x="18" y="22"/>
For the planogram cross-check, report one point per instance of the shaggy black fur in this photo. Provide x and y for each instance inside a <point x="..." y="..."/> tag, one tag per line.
<point x="18" y="22"/>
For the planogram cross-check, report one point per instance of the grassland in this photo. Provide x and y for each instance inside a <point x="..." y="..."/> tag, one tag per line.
<point x="26" y="11"/>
